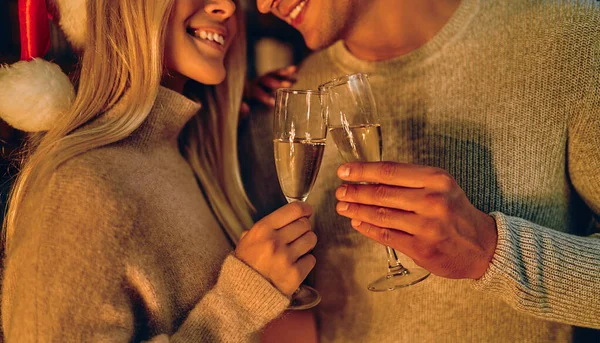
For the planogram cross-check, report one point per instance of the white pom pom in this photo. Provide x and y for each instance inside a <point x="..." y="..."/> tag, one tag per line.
<point x="73" y="20"/>
<point x="33" y="94"/>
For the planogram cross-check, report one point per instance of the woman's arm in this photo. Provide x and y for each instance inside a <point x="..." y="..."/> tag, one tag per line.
<point x="75" y="275"/>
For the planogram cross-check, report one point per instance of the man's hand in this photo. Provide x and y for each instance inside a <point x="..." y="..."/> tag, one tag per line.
<point x="262" y="89"/>
<point x="420" y="211"/>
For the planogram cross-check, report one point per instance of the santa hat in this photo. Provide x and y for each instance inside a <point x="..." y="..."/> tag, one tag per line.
<point x="34" y="92"/>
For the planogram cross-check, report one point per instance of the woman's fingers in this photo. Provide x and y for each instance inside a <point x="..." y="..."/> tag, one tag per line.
<point x="292" y="231"/>
<point x="284" y="216"/>
<point x="277" y="246"/>
<point x="304" y="265"/>
<point x="302" y="245"/>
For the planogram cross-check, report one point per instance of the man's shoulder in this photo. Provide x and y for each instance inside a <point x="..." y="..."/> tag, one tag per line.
<point x="564" y="11"/>
<point x="553" y="30"/>
<point x="318" y="58"/>
<point x="570" y="12"/>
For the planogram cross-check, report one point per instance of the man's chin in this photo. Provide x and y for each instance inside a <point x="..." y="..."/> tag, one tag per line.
<point x="317" y="42"/>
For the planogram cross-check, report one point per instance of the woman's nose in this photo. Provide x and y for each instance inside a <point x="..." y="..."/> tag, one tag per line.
<point x="220" y="8"/>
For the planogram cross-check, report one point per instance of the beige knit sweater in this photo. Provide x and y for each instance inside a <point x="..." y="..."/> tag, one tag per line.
<point x="506" y="97"/>
<point x="126" y="249"/>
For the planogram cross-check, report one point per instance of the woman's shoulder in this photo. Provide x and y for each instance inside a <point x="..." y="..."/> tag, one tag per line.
<point x="96" y="181"/>
<point x="107" y="165"/>
<point x="82" y="206"/>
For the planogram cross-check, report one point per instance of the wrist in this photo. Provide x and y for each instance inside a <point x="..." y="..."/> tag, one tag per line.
<point x="488" y="240"/>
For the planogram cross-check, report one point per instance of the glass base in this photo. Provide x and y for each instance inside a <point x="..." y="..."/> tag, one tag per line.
<point x="400" y="279"/>
<point x="304" y="298"/>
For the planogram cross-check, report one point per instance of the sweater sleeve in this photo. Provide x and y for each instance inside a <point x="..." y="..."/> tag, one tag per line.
<point x="66" y="278"/>
<point x="241" y="303"/>
<point x="550" y="274"/>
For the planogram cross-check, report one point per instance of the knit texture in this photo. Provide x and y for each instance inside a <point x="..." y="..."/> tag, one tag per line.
<point x="506" y="97"/>
<point x="125" y="248"/>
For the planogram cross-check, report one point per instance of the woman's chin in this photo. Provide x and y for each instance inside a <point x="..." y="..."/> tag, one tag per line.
<point x="215" y="77"/>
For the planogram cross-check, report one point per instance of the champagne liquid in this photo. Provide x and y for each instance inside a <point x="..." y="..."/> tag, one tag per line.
<point x="297" y="165"/>
<point x="358" y="143"/>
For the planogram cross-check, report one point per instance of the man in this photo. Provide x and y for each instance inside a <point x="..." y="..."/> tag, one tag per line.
<point x="491" y="112"/>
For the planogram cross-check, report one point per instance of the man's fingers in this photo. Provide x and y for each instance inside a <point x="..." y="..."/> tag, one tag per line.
<point x="288" y="73"/>
<point x="402" y="198"/>
<point x="272" y="83"/>
<point x="389" y="173"/>
<point x="380" y="216"/>
<point x="262" y="96"/>
<point x="285" y="215"/>
<point x="398" y="240"/>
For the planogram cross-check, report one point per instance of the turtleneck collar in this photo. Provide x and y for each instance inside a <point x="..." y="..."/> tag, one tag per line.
<point x="168" y="116"/>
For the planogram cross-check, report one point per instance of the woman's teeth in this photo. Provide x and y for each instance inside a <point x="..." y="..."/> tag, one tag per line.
<point x="211" y="36"/>
<point x="294" y="13"/>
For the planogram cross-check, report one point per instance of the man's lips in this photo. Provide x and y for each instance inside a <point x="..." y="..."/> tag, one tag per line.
<point x="286" y="9"/>
<point x="297" y="10"/>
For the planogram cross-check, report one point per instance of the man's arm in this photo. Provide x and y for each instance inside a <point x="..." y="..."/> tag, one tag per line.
<point x="422" y="212"/>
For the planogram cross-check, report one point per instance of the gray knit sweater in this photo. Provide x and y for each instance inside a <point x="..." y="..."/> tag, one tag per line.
<point x="506" y="97"/>
<point x="125" y="248"/>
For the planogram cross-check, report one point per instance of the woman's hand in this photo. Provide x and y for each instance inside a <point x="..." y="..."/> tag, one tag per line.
<point x="277" y="246"/>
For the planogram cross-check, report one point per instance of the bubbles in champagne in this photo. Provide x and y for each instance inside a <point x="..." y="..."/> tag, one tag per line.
<point x="298" y="163"/>
<point x="358" y="143"/>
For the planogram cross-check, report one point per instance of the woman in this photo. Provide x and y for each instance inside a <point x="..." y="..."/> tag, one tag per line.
<point x="108" y="235"/>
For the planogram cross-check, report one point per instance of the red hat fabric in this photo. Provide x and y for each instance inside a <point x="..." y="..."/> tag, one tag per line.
<point x="34" y="29"/>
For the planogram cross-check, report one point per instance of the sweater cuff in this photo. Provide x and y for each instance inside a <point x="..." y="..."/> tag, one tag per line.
<point x="503" y="265"/>
<point x="252" y="292"/>
<point x="240" y="305"/>
<point x="543" y="272"/>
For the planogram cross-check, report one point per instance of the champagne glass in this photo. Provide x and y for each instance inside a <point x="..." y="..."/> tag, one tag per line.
<point x="299" y="130"/>
<point x="354" y="126"/>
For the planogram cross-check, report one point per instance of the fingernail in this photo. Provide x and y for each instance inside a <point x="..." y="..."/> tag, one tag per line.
<point x="355" y="222"/>
<point x="344" y="172"/>
<point x="286" y="84"/>
<point x="342" y="191"/>
<point x="343" y="206"/>
<point x="272" y="102"/>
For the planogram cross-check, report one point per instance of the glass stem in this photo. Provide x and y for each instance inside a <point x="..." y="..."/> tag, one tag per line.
<point x="394" y="265"/>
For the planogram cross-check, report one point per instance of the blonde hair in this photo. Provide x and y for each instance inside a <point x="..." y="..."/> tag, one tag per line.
<point x="115" y="62"/>
<point x="210" y="141"/>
